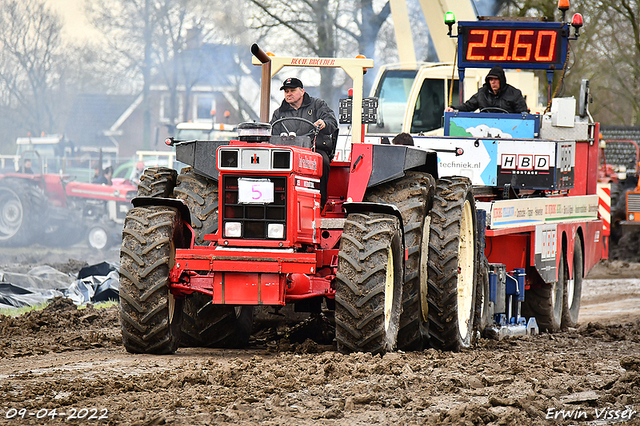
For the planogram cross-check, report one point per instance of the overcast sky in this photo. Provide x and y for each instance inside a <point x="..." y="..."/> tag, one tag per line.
<point x="75" y="23"/>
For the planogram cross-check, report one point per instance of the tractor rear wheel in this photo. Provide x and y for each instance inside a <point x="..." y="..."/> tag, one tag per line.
<point x="413" y="195"/>
<point x="150" y="317"/>
<point x="369" y="284"/>
<point x="157" y="182"/>
<point x="452" y="269"/>
<point x="23" y="213"/>
<point x="201" y="195"/>
<point x="545" y="302"/>
<point x="573" y="289"/>
<point x="215" y="326"/>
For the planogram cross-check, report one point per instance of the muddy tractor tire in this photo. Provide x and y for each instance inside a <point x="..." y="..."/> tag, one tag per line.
<point x="157" y="182"/>
<point x="215" y="326"/>
<point x="545" y="302"/>
<point x="573" y="288"/>
<point x="201" y="195"/>
<point x="369" y="284"/>
<point x="23" y="213"/>
<point x="413" y="195"/>
<point x="451" y="265"/>
<point x="150" y="317"/>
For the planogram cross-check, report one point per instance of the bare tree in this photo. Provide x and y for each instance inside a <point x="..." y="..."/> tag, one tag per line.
<point x="300" y="28"/>
<point x="607" y="53"/>
<point x="30" y="59"/>
<point x="150" y="36"/>
<point x="325" y="28"/>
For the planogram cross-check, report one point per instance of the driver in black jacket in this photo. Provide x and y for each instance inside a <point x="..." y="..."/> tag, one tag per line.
<point x="298" y="103"/>
<point x="495" y="93"/>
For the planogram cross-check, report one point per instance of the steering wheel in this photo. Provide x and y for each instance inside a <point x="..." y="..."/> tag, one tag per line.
<point x="496" y="109"/>
<point x="314" y="129"/>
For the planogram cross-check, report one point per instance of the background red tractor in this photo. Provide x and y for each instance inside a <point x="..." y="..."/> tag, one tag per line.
<point x="53" y="210"/>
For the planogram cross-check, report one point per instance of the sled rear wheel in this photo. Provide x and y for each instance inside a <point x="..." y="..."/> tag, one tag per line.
<point x="573" y="289"/>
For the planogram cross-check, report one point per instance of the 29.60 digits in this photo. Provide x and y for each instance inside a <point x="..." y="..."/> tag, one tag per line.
<point x="511" y="45"/>
<point x="68" y="414"/>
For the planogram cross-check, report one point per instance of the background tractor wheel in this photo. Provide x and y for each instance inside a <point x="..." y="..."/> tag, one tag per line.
<point x="215" y="326"/>
<point x="201" y="195"/>
<point x="369" y="284"/>
<point x="150" y="316"/>
<point x="573" y="289"/>
<point x="23" y="213"/>
<point x="545" y="302"/>
<point x="157" y="182"/>
<point x="413" y="195"/>
<point x="99" y="237"/>
<point x="452" y="269"/>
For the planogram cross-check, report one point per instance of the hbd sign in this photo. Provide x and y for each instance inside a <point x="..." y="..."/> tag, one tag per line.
<point x="525" y="162"/>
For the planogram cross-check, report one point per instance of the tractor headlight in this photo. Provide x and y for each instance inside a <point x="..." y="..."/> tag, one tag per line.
<point x="275" y="230"/>
<point x="232" y="229"/>
<point x="631" y="216"/>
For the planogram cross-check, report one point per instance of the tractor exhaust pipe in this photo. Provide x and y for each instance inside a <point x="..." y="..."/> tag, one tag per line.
<point x="265" y="82"/>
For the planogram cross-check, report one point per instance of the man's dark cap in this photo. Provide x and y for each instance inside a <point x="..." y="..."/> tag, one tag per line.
<point x="291" y="82"/>
<point x="493" y="76"/>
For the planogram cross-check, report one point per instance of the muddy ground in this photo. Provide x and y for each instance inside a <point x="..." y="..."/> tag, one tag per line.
<point x="72" y="361"/>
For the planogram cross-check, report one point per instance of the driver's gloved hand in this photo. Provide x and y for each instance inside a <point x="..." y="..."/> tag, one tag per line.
<point x="292" y="134"/>
<point x="284" y="134"/>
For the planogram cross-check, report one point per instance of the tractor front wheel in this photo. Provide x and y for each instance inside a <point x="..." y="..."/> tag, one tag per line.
<point x="369" y="284"/>
<point x="150" y="317"/>
<point x="452" y="273"/>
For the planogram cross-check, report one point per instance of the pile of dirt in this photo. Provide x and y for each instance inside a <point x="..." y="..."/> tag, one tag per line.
<point x="71" y="266"/>
<point x="614" y="269"/>
<point x="613" y="332"/>
<point x="627" y="247"/>
<point x="60" y="327"/>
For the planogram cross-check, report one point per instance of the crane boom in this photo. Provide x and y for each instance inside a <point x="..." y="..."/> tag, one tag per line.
<point x="433" y="11"/>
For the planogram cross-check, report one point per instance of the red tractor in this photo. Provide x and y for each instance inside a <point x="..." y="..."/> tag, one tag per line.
<point x="414" y="247"/>
<point x="52" y="210"/>
<point x="243" y="227"/>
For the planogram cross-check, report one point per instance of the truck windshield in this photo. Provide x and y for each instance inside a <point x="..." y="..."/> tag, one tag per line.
<point x="392" y="93"/>
<point x="430" y="104"/>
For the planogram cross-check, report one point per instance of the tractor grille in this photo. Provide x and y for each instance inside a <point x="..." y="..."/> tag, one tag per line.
<point x="633" y="202"/>
<point x="255" y="218"/>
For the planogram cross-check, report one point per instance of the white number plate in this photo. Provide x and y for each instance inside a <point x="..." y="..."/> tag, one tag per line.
<point x="255" y="191"/>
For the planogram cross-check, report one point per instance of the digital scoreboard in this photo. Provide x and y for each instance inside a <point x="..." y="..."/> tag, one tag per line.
<point x="522" y="44"/>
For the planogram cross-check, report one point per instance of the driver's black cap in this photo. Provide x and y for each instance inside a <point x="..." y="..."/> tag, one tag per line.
<point x="291" y="82"/>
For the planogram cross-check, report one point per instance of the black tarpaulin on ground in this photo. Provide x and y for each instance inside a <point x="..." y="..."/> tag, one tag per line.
<point x="94" y="283"/>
